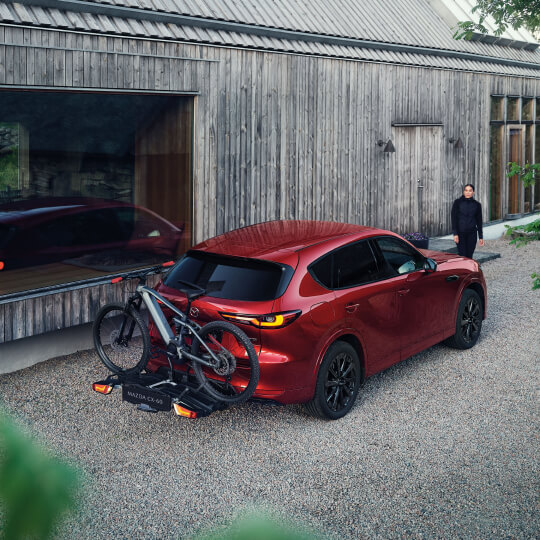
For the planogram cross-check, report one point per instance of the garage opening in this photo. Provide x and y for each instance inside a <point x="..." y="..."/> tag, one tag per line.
<point x="91" y="184"/>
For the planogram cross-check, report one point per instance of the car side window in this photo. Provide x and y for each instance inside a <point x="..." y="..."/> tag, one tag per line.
<point x="399" y="256"/>
<point x="348" y="266"/>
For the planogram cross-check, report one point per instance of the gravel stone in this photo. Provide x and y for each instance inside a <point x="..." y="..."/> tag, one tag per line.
<point x="442" y="445"/>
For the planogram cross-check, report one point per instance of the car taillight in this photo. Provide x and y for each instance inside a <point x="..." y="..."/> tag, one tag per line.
<point x="102" y="388"/>
<point x="1" y="265"/>
<point x="270" y="320"/>
<point x="182" y="411"/>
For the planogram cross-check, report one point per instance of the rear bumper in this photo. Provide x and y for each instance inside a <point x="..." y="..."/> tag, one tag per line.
<point x="282" y="378"/>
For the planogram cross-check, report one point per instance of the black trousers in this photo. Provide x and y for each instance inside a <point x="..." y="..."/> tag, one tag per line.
<point x="467" y="243"/>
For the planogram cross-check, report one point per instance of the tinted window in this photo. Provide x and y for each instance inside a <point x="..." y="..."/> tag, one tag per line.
<point x="400" y="256"/>
<point x="347" y="267"/>
<point x="231" y="278"/>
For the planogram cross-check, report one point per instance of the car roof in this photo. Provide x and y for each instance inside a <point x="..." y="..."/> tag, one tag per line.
<point x="34" y="210"/>
<point x="50" y="205"/>
<point x="277" y="240"/>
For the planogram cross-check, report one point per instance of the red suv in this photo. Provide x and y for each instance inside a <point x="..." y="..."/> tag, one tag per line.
<point x="329" y="304"/>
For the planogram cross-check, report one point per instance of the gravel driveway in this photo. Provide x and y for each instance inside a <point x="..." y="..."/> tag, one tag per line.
<point x="443" y="445"/>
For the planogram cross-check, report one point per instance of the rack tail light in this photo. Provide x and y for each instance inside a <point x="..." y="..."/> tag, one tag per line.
<point x="182" y="411"/>
<point x="269" y="320"/>
<point x="102" y="388"/>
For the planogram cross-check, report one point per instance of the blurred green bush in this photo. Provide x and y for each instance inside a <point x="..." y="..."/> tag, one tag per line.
<point x="36" y="488"/>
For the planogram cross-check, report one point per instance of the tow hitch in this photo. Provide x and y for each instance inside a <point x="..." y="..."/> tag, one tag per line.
<point x="153" y="392"/>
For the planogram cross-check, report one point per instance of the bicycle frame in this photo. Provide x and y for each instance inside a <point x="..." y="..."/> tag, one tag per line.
<point x="150" y="298"/>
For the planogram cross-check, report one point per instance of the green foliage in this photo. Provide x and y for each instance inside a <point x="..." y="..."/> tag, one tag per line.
<point x="259" y="527"/>
<point x="528" y="173"/>
<point x="9" y="170"/>
<point x="36" y="489"/>
<point x="523" y="234"/>
<point x="506" y="13"/>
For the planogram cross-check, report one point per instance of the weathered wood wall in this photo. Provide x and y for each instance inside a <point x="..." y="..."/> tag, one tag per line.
<point x="276" y="136"/>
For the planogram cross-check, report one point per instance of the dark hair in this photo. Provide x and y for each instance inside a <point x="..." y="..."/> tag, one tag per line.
<point x="469" y="185"/>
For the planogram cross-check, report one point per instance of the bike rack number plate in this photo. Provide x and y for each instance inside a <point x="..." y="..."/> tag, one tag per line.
<point x="134" y="393"/>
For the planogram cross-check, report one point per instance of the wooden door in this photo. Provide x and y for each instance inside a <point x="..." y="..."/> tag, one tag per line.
<point x="515" y="153"/>
<point x="417" y="199"/>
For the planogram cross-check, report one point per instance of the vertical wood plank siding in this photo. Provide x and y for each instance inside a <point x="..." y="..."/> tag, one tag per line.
<point x="276" y="136"/>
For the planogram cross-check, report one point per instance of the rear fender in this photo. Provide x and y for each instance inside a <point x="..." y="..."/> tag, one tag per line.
<point x="349" y="336"/>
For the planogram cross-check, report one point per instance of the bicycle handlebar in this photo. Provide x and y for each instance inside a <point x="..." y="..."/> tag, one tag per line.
<point x="141" y="275"/>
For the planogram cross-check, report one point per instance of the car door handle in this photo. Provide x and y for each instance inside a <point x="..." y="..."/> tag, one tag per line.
<point x="351" y="307"/>
<point x="452" y="278"/>
<point x="403" y="292"/>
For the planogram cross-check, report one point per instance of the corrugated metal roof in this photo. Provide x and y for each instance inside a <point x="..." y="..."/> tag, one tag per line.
<point x="407" y="22"/>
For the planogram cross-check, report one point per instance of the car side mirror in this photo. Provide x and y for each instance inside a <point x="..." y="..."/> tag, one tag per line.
<point x="430" y="266"/>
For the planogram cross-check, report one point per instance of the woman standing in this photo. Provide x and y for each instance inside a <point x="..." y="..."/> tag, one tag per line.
<point x="467" y="222"/>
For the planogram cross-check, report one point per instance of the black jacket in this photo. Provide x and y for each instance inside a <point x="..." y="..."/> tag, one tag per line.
<point x="467" y="216"/>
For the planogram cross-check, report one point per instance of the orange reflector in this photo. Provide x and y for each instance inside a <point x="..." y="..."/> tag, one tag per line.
<point x="168" y="263"/>
<point x="181" y="411"/>
<point x="116" y="280"/>
<point x="102" y="388"/>
<point x="1" y="265"/>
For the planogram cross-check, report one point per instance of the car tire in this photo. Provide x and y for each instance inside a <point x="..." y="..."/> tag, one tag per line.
<point x="469" y="318"/>
<point x="338" y="382"/>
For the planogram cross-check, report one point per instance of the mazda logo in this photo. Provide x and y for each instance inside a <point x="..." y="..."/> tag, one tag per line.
<point x="194" y="312"/>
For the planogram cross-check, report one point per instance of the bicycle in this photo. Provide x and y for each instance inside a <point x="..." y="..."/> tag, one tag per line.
<point x="214" y="351"/>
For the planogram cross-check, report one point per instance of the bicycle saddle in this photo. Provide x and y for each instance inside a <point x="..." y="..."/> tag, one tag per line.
<point x="192" y="294"/>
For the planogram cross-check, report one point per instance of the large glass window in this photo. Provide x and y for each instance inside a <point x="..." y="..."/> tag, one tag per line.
<point x="536" y="188"/>
<point x="91" y="184"/>
<point x="497" y="109"/>
<point x="529" y="135"/>
<point x="527" y="110"/>
<point x="512" y="109"/>
<point x="496" y="171"/>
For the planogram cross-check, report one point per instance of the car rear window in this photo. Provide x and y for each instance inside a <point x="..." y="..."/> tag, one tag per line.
<point x="231" y="278"/>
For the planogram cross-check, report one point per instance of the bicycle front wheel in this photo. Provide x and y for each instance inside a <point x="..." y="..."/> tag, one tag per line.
<point x="121" y="339"/>
<point x="235" y="378"/>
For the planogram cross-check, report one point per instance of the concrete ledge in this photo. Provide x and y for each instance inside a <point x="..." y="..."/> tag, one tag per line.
<point x="448" y="246"/>
<point x="26" y="352"/>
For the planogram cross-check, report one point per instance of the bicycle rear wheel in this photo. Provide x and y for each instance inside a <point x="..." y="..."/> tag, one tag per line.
<point x="121" y="339"/>
<point x="236" y="377"/>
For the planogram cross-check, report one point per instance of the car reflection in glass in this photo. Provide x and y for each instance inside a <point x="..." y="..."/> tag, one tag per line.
<point x="83" y="231"/>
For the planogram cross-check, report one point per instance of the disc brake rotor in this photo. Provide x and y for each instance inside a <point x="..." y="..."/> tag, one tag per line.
<point x="227" y="364"/>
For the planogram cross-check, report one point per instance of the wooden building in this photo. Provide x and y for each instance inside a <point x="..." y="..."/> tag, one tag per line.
<point x="215" y="114"/>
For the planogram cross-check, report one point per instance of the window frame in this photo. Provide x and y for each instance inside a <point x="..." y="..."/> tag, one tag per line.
<point x="40" y="287"/>
<point x="375" y="252"/>
<point x="405" y="245"/>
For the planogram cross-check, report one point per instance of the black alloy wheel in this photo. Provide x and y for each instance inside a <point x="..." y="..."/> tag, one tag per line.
<point x="338" y="382"/>
<point x="468" y="321"/>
